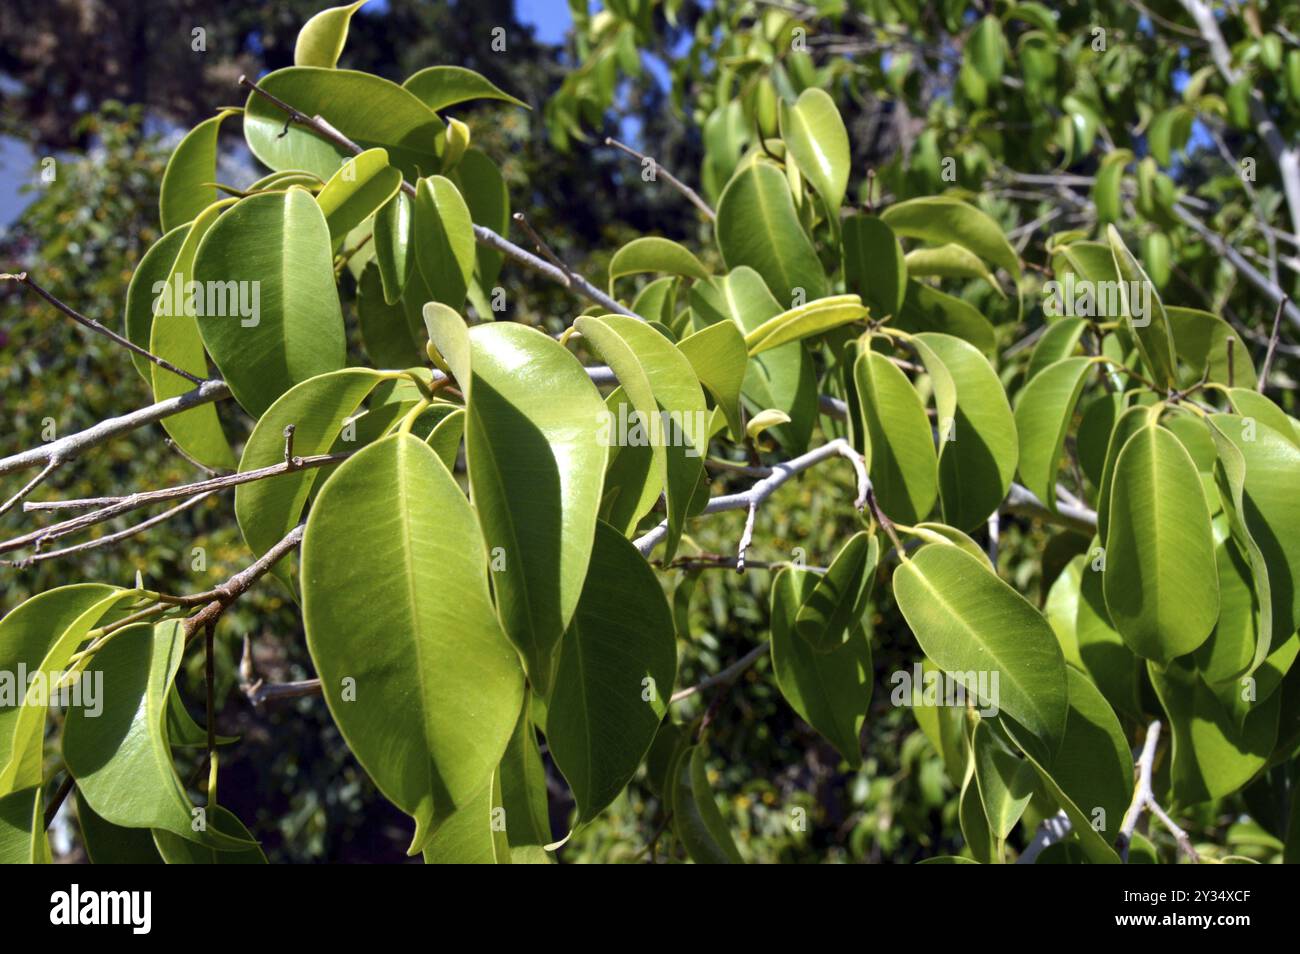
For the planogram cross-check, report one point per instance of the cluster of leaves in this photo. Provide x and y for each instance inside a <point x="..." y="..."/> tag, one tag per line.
<point x="451" y="632"/>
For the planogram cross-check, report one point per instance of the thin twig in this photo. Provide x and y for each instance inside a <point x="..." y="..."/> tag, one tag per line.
<point x="52" y="809"/>
<point x="725" y="676"/>
<point x="30" y="486"/>
<point x="23" y="279"/>
<point x="668" y="177"/>
<point x="222" y="596"/>
<point x="522" y="221"/>
<point x="1268" y="355"/>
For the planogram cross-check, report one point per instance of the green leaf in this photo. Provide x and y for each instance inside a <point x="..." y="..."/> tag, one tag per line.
<point x="444" y="240"/>
<point x="22" y="829"/>
<point x="977" y="433"/>
<point x="1059" y="340"/>
<point x="141" y="294"/>
<point x="536" y="469"/>
<point x="386" y="333"/>
<point x="120" y="757"/>
<point x="174" y="335"/>
<point x="1151" y="331"/>
<point x="617" y="665"/>
<point x="940" y="220"/>
<point x="764" y="420"/>
<point x="523" y="787"/>
<point x="277" y="245"/>
<point x="412" y="660"/>
<point x="807" y="320"/>
<point x="783" y="378"/>
<point x="1091" y="777"/>
<point x="1106" y="658"/>
<point x="321" y="39"/>
<point x="814" y="134"/>
<point x="1160" y="581"/>
<point x="187" y="183"/>
<point x="717" y="353"/>
<point x="1044" y="412"/>
<point x="874" y="265"/>
<point x="475" y="834"/>
<point x="394" y="251"/>
<point x="441" y="86"/>
<point x="697" y="821"/>
<point x="181" y="851"/>
<point x="1212" y="757"/>
<point x="928" y="309"/>
<point x="317" y="408"/>
<point x="974" y="823"/>
<point x="1257" y="467"/>
<point x="1201" y="341"/>
<point x="109" y="844"/>
<point x="663" y="388"/>
<point x="758" y="226"/>
<point x="830" y="689"/>
<point x="362" y="185"/>
<point x="986" y="47"/>
<point x="653" y="254"/>
<point x="484" y="188"/>
<point x="839" y="601"/>
<point x="39" y="637"/>
<point x="898" y="446"/>
<point x="969" y="621"/>
<point x="370" y="111"/>
<point x="1005" y="781"/>
<point x="1130" y="421"/>
<point x="949" y="261"/>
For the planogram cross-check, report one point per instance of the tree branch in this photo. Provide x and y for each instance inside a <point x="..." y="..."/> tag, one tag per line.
<point x="668" y="177"/>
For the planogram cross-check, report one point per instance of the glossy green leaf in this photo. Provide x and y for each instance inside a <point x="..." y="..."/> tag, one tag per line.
<point x="1160" y="581"/>
<point x="874" y="265"/>
<point x="174" y="335"/>
<point x="524" y="788"/>
<point x="22" y="829"/>
<point x="758" y="226"/>
<point x="977" y="433"/>
<point x="717" y="353"/>
<point x="1044" y="412"/>
<point x="394" y="250"/>
<point x="969" y="621"/>
<point x="1212" y="757"/>
<point x="815" y="136"/>
<point x="476" y="834"/>
<point x="425" y="689"/>
<point x="1091" y="776"/>
<point x="1106" y="658"/>
<point x="617" y="665"/>
<point x="317" y="408"/>
<point x="441" y="86"/>
<point x="142" y="294"/>
<point x="536" y="468"/>
<point x="807" y="320"/>
<point x="109" y="844"/>
<point x="949" y="261"/>
<point x="120" y="757"/>
<point x="940" y="220"/>
<point x="830" y="689"/>
<point x="663" y="388"/>
<point x="1005" y="781"/>
<point x="783" y="378"/>
<point x="277" y="245"/>
<point x="653" y="254"/>
<point x="39" y="637"/>
<point x="444" y="240"/>
<point x="370" y="111"/>
<point x="697" y="821"/>
<point x="837" y="604"/>
<point x="321" y="39"/>
<point x="187" y="184"/>
<point x="1150" y="330"/>
<point x="362" y="185"/>
<point x="1130" y="421"/>
<point x="1201" y="341"/>
<point x="181" y="851"/>
<point x="899" y="448"/>
<point x="973" y="820"/>
<point x="928" y="309"/>
<point x="386" y="333"/>
<point x="484" y="189"/>
<point x="1058" y="340"/>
